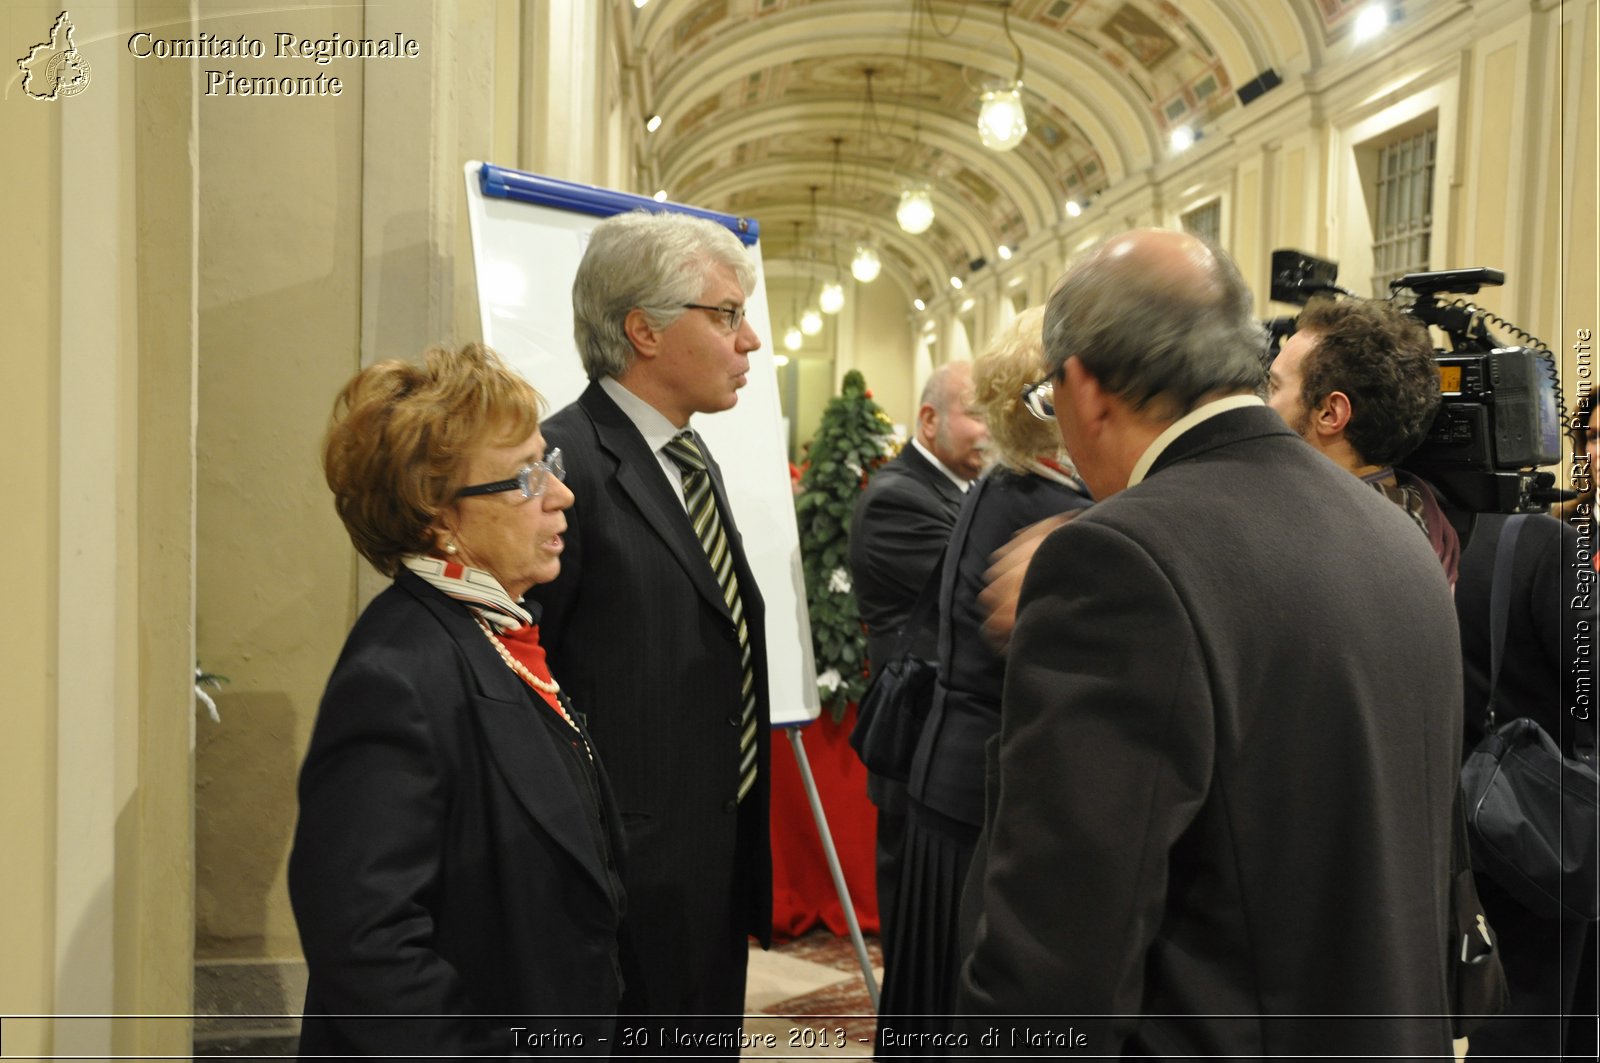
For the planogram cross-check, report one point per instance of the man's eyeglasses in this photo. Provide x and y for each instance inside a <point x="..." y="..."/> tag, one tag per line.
<point x="531" y="480"/>
<point x="1039" y="398"/>
<point x="732" y="315"/>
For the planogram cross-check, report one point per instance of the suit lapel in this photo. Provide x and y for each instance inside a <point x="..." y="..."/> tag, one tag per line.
<point x="924" y="470"/>
<point x="641" y="479"/>
<point x="519" y="744"/>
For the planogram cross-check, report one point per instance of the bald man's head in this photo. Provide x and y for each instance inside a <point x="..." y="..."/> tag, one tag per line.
<point x="1159" y="318"/>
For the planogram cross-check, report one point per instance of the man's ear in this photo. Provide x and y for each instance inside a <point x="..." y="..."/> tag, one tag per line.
<point x="645" y="339"/>
<point x="927" y="423"/>
<point x="1332" y="415"/>
<point x="1091" y="403"/>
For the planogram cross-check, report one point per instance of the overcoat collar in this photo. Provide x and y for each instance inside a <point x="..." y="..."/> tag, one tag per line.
<point x="1233" y="426"/>
<point x="638" y="473"/>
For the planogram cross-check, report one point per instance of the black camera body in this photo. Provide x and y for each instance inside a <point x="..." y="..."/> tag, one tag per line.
<point x="1500" y="415"/>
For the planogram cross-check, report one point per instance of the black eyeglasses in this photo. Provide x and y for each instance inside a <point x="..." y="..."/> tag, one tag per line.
<point x="732" y="315"/>
<point x="531" y="480"/>
<point x="1039" y="398"/>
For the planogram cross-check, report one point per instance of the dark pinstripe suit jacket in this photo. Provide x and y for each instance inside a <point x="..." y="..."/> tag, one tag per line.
<point x="638" y="634"/>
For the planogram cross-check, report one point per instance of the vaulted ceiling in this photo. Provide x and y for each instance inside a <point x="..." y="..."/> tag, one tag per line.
<point x="758" y="98"/>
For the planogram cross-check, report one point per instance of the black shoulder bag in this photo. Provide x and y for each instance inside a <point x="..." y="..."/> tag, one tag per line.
<point x="1531" y="811"/>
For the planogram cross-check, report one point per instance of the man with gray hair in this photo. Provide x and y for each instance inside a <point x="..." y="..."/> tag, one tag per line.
<point x="1221" y="821"/>
<point x="654" y="626"/>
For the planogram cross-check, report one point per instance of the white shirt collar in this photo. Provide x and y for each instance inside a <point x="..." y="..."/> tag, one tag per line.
<point x="941" y="466"/>
<point x="1141" y="468"/>
<point x="650" y="422"/>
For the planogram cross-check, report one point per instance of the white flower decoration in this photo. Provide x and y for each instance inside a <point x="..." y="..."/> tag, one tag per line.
<point x="829" y="680"/>
<point x="839" y="582"/>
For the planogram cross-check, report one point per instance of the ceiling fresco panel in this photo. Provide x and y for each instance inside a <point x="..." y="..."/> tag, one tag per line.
<point x="755" y="94"/>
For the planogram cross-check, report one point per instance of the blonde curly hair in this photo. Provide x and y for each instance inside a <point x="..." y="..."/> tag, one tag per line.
<point x="1014" y="359"/>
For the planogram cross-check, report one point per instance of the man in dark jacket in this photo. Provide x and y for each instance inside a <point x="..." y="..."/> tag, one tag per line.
<point x="1544" y="668"/>
<point x="656" y="625"/>
<point x="1231" y="723"/>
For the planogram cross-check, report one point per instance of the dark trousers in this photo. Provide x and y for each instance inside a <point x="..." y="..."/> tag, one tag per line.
<point x="685" y="957"/>
<point x="1544" y="960"/>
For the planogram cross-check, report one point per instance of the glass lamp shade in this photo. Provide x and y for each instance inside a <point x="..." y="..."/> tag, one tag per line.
<point x="832" y="298"/>
<point x="810" y="322"/>
<point x="915" y="212"/>
<point x="865" y="266"/>
<point x="1002" y="122"/>
<point x="792" y="339"/>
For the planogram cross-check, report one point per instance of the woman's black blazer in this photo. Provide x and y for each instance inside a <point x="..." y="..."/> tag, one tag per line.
<point x="947" y="771"/>
<point x="453" y="857"/>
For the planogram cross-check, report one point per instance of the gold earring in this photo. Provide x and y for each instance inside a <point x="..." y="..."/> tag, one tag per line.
<point x="450" y="547"/>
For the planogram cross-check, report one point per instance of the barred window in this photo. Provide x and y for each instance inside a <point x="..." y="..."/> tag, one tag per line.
<point x="1403" y="230"/>
<point x="1205" y="221"/>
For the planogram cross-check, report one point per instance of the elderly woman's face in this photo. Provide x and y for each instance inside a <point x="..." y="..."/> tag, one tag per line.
<point x="516" y="540"/>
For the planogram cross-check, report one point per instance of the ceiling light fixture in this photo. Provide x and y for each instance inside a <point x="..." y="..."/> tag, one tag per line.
<point x="1183" y="138"/>
<point x="915" y="213"/>
<point x="660" y="196"/>
<point x="955" y="282"/>
<point x="653" y="124"/>
<point x="1002" y="120"/>
<point x="831" y="299"/>
<point x="792" y="336"/>
<point x="1373" y="20"/>
<point x="1004" y="252"/>
<point x="810" y="321"/>
<point x="919" y="304"/>
<point x="1073" y="208"/>
<point x="865" y="266"/>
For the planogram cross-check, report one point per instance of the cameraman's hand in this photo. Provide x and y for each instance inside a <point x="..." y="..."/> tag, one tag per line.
<point x="1008" y="566"/>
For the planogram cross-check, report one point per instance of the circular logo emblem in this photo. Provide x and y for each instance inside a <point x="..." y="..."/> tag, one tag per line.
<point x="70" y="72"/>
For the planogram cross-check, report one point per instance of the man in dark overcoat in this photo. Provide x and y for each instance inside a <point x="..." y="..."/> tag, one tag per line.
<point x="1220" y="823"/>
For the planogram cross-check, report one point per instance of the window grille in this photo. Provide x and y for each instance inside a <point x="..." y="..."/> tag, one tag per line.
<point x="1403" y="230"/>
<point x="1205" y="221"/>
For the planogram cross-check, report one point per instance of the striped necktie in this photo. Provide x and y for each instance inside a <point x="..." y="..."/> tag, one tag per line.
<point x="701" y="503"/>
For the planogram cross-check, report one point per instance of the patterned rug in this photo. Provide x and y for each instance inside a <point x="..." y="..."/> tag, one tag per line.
<point x="807" y="999"/>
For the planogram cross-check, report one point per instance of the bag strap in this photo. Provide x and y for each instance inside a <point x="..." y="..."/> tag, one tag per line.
<point x="1583" y="742"/>
<point x="1500" y="607"/>
<point x="958" y="537"/>
<point x="927" y="608"/>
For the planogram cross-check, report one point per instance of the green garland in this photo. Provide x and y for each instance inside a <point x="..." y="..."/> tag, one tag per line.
<point x="851" y="443"/>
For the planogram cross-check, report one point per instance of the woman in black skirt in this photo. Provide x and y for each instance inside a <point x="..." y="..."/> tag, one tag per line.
<point x="1032" y="480"/>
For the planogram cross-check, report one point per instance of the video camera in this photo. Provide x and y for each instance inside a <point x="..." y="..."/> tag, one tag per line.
<point x="1500" y="417"/>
